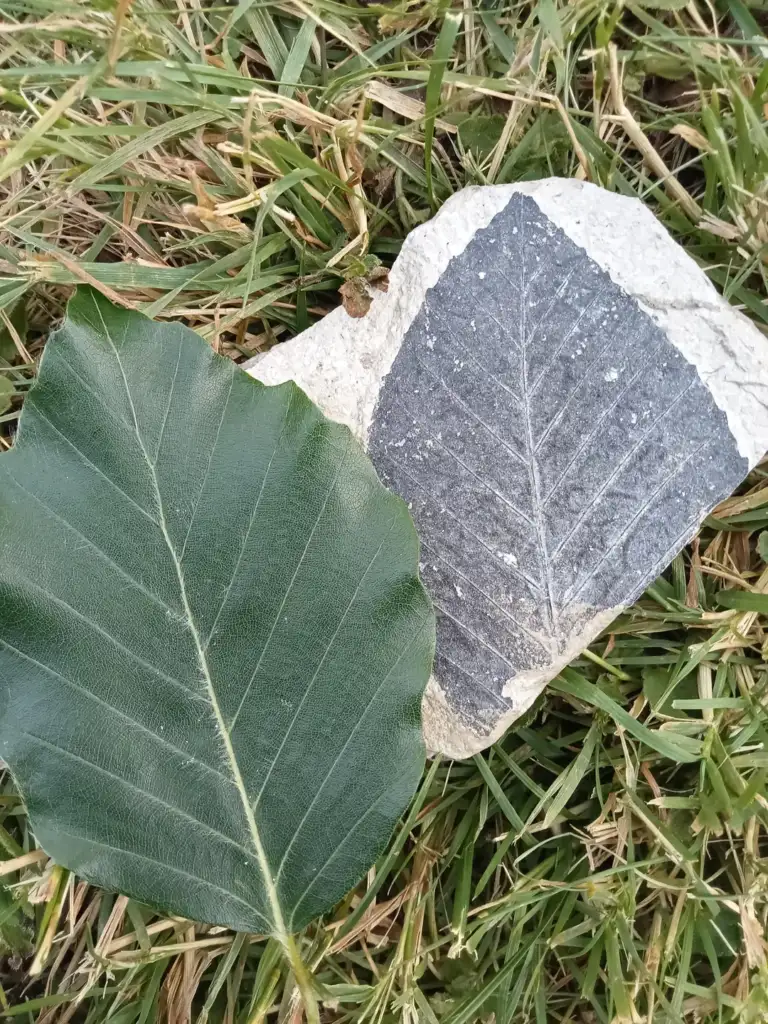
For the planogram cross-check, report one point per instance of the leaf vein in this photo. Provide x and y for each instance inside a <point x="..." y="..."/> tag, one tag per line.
<point x="572" y="395"/>
<point x="168" y="867"/>
<point x="619" y="467"/>
<point x="567" y="337"/>
<point x="579" y="586"/>
<point x="475" y="636"/>
<point x="251" y="521"/>
<point x="484" y="483"/>
<point x="168" y="407"/>
<point x="90" y="695"/>
<point x="112" y="639"/>
<point x="533" y="471"/>
<point x="353" y="732"/>
<point x="261" y="856"/>
<point x="321" y="871"/>
<point x="475" y="680"/>
<point x="472" y="413"/>
<point x="454" y="337"/>
<point x="198" y="499"/>
<point x="140" y="790"/>
<point x="330" y="643"/>
<point x="550" y="307"/>
<point x="91" y="391"/>
<point x="462" y="525"/>
<point x="590" y="436"/>
<point x="30" y="403"/>
<point x="99" y="551"/>
<point x="507" y="615"/>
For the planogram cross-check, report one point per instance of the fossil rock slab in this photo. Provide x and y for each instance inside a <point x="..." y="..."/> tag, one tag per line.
<point x="561" y="396"/>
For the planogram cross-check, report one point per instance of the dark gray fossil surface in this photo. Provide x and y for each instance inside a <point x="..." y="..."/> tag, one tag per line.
<point x="560" y="396"/>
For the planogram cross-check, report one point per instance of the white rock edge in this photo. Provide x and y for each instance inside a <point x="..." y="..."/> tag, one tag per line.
<point x="442" y="732"/>
<point x="341" y="362"/>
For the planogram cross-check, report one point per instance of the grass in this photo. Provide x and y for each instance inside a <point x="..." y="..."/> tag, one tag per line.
<point x="232" y="167"/>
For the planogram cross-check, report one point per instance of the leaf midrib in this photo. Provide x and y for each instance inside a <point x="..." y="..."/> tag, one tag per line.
<point x="278" y="922"/>
<point x="539" y="525"/>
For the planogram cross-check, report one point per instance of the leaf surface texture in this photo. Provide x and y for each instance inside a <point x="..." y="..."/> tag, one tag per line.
<point x="213" y="640"/>
<point x="555" y="449"/>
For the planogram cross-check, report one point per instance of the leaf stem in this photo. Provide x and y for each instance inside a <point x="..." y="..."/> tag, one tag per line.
<point x="304" y="981"/>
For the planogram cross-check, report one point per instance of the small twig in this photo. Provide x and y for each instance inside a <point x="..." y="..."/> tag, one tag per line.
<point x="8" y="867"/>
<point x="113" y="53"/>
<point x="86" y="278"/>
<point x="627" y="121"/>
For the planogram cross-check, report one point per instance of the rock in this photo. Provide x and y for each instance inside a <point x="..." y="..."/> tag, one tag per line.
<point x="561" y="397"/>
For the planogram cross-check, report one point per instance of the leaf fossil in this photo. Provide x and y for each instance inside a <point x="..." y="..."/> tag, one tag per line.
<point x="560" y="395"/>
<point x="213" y="639"/>
<point x="545" y="433"/>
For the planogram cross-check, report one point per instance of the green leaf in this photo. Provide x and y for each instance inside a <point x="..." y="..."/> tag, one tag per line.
<point x="297" y="58"/>
<point x="663" y="5"/>
<point x="549" y="19"/>
<point x="213" y="639"/>
<point x="149" y="139"/>
<point x="17" y="314"/>
<point x="743" y="600"/>
<point x="675" y="746"/>
<point x="440" y="57"/>
<point x="481" y="134"/>
<point x="7" y="392"/>
<point x="657" y="692"/>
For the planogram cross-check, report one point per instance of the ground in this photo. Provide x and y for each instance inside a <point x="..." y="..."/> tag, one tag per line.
<point x="237" y="167"/>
